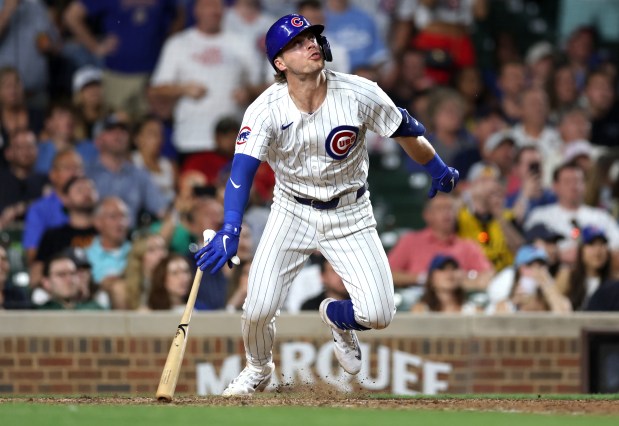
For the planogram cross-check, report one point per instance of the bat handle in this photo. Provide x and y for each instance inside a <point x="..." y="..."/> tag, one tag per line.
<point x="208" y="235"/>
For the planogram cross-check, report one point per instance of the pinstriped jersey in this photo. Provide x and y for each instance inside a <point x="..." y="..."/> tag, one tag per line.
<point x="321" y="155"/>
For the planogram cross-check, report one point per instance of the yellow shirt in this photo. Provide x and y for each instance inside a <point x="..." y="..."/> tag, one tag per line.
<point x="489" y="236"/>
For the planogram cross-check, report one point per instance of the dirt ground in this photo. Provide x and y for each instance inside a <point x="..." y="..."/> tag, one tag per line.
<point x="535" y="404"/>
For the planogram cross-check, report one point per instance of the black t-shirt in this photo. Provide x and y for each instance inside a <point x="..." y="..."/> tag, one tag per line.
<point x="14" y="190"/>
<point x="605" y="298"/>
<point x="605" y="130"/>
<point x="15" y="297"/>
<point x="55" y="240"/>
<point x="314" y="303"/>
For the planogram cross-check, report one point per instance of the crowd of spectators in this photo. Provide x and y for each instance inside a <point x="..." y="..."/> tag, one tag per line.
<point x="118" y="121"/>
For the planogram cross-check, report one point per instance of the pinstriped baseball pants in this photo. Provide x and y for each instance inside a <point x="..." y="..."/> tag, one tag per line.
<point x="347" y="238"/>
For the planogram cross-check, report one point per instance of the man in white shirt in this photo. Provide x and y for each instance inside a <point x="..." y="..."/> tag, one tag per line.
<point x="569" y="214"/>
<point x="208" y="73"/>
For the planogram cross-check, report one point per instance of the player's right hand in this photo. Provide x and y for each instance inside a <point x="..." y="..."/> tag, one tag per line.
<point x="220" y="250"/>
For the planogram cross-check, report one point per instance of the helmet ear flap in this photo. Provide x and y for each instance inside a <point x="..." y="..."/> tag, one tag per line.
<point x="325" y="47"/>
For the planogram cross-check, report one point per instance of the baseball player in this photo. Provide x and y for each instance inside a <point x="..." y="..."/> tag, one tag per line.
<point x="310" y="127"/>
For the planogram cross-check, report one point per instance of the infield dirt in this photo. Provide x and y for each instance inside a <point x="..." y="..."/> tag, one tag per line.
<point x="535" y="404"/>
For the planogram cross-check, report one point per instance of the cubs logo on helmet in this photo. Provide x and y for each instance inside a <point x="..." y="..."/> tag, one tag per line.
<point x="340" y="141"/>
<point x="297" y="21"/>
<point x="243" y="135"/>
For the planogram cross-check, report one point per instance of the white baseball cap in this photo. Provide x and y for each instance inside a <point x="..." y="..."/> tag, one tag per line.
<point x="538" y="51"/>
<point x="84" y="76"/>
<point x="577" y="149"/>
<point x="483" y="170"/>
<point x="497" y="139"/>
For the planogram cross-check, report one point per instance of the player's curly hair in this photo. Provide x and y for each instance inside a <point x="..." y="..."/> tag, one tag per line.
<point x="280" y="77"/>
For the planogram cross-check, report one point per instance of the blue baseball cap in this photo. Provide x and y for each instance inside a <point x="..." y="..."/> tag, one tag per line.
<point x="441" y="260"/>
<point x="591" y="233"/>
<point x="527" y="254"/>
<point x="284" y="30"/>
<point x="542" y="232"/>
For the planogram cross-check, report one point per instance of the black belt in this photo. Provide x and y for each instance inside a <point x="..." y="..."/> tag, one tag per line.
<point x="327" y="205"/>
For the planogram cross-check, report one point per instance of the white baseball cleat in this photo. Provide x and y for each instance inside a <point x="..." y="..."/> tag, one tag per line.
<point x="250" y="380"/>
<point x="345" y="342"/>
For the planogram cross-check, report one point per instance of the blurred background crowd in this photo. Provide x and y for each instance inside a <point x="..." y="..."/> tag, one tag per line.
<point x="118" y="120"/>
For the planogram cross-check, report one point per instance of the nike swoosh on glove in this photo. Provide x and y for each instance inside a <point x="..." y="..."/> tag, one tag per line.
<point x="445" y="182"/>
<point x="220" y="250"/>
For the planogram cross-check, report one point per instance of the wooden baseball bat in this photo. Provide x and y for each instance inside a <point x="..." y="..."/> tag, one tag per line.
<point x="172" y="368"/>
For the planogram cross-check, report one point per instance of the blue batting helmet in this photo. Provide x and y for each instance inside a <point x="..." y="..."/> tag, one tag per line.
<point x="288" y="27"/>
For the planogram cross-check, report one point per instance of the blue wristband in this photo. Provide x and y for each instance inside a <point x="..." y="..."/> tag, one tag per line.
<point x="233" y="217"/>
<point x="435" y="167"/>
<point x="232" y="229"/>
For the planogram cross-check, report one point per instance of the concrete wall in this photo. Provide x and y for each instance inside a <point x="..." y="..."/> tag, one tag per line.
<point x="118" y="352"/>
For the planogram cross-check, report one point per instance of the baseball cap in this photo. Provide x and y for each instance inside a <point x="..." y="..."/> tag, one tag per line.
<point x="482" y="170"/>
<point x="542" y="232"/>
<point x="78" y="255"/>
<point x="84" y="76"/>
<point x="528" y="253"/>
<point x="113" y="121"/>
<point x="591" y="233"/>
<point x="538" y="51"/>
<point x="497" y="139"/>
<point x="577" y="149"/>
<point x="441" y="260"/>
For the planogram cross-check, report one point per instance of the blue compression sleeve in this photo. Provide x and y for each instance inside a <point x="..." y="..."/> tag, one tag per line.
<point x="244" y="169"/>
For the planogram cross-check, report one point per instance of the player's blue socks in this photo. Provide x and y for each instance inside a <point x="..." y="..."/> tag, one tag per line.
<point x="341" y="313"/>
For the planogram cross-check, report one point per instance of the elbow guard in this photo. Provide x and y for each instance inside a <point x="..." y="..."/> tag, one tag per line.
<point x="409" y="126"/>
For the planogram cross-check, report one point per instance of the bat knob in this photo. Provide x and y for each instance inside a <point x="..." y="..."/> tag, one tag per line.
<point x="208" y="235"/>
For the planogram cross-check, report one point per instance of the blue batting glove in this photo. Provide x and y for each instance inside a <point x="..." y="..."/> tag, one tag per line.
<point x="220" y="250"/>
<point x="445" y="183"/>
<point x="444" y="178"/>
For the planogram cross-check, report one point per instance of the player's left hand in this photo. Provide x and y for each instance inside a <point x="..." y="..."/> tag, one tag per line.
<point x="446" y="182"/>
<point x="220" y="250"/>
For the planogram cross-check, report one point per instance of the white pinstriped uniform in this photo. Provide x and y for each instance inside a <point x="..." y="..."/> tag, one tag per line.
<point x="317" y="156"/>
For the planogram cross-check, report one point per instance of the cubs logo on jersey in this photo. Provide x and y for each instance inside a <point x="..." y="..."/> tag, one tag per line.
<point x="243" y="135"/>
<point x="340" y="141"/>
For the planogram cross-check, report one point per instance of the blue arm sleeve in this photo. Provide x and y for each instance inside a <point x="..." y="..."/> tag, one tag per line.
<point x="244" y="169"/>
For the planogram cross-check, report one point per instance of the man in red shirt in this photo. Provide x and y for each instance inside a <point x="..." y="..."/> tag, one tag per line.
<point x="410" y="257"/>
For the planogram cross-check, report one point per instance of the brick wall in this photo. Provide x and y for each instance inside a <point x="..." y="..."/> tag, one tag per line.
<point x="79" y="361"/>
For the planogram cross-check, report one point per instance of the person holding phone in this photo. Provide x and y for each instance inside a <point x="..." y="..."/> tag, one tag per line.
<point x="533" y="288"/>
<point x="530" y="192"/>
